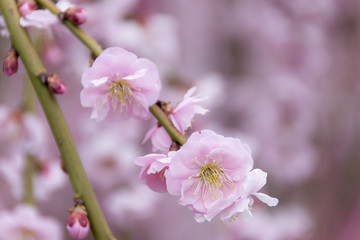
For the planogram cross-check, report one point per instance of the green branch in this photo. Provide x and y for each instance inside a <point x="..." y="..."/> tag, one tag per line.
<point x="28" y="195"/>
<point x="80" y="34"/>
<point x="90" y="43"/>
<point x="161" y="116"/>
<point x="34" y="67"/>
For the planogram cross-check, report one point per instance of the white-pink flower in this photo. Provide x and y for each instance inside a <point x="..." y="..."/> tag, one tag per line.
<point x="211" y="172"/>
<point x="24" y="222"/>
<point x="43" y="18"/>
<point x="119" y="86"/>
<point x="153" y="170"/>
<point x="181" y="116"/>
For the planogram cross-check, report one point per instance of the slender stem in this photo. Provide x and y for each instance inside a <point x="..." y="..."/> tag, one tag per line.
<point x="80" y="34"/>
<point x="28" y="106"/>
<point x="167" y="124"/>
<point x="31" y="60"/>
<point x="28" y="174"/>
<point x="96" y="50"/>
<point x="28" y="100"/>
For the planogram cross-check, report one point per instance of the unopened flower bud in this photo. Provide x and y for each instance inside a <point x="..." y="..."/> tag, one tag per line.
<point x="27" y="7"/>
<point x="55" y="84"/>
<point x="76" y="15"/>
<point x="78" y="224"/>
<point x="10" y="64"/>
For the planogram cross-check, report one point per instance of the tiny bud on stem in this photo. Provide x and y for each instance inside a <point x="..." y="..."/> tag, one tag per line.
<point x="78" y="224"/>
<point x="10" y="65"/>
<point x="55" y="84"/>
<point x="77" y="15"/>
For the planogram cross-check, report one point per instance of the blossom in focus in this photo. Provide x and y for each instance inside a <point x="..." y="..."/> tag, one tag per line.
<point x="119" y="86"/>
<point x="210" y="173"/>
<point x="78" y="224"/>
<point x="181" y="116"/>
<point x="153" y="170"/>
<point x="24" y="222"/>
<point x="242" y="205"/>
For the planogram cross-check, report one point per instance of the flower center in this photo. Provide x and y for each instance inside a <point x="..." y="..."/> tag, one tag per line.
<point x="211" y="178"/>
<point x="120" y="93"/>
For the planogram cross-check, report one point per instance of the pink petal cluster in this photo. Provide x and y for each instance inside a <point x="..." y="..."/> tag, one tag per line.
<point x="153" y="170"/>
<point x="212" y="175"/>
<point x="119" y="86"/>
<point x="181" y="116"/>
<point x="24" y="222"/>
<point x="43" y="18"/>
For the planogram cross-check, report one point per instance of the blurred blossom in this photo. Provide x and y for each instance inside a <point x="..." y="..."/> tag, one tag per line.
<point x="41" y="18"/>
<point x="20" y="131"/>
<point x="287" y="222"/>
<point x="108" y="157"/>
<point x="48" y="177"/>
<point x="124" y="206"/>
<point x="25" y="222"/>
<point x="3" y="29"/>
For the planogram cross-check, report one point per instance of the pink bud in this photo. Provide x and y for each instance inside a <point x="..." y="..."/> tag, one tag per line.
<point x="55" y="84"/>
<point x="76" y="15"/>
<point x="27" y="7"/>
<point x="10" y="64"/>
<point x="78" y="224"/>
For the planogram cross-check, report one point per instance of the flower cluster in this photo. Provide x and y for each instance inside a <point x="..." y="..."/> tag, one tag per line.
<point x="212" y="174"/>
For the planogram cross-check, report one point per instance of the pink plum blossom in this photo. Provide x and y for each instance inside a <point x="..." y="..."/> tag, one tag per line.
<point x="25" y="222"/>
<point x="43" y="18"/>
<point x="153" y="170"/>
<point x="254" y="181"/>
<point x="181" y="116"/>
<point x="119" y="86"/>
<point x="211" y="172"/>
